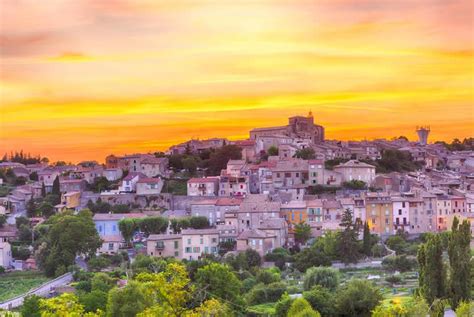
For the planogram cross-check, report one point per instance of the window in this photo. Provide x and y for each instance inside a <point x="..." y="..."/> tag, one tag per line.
<point x="214" y="240"/>
<point x="111" y="246"/>
<point x="176" y="244"/>
<point x="188" y="250"/>
<point x="176" y="253"/>
<point x="196" y="249"/>
<point x="399" y="212"/>
<point x="213" y="249"/>
<point x="206" y="249"/>
<point x="189" y="241"/>
<point x="287" y="174"/>
<point x="201" y="241"/>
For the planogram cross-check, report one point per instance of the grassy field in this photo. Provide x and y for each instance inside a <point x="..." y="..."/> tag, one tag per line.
<point x="16" y="283"/>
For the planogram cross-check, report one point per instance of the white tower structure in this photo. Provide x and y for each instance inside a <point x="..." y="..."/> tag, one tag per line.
<point x="423" y="133"/>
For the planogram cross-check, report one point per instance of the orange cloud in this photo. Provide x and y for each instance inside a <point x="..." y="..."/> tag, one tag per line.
<point x="81" y="79"/>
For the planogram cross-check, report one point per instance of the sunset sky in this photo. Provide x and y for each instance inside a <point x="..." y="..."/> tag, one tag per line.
<point x="83" y="79"/>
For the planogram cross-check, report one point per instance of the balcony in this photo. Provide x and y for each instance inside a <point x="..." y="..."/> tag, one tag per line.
<point x="160" y="245"/>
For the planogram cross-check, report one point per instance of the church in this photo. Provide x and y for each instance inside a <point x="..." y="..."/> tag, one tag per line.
<point x="298" y="127"/>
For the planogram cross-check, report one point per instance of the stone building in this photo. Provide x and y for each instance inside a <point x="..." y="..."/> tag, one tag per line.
<point x="298" y="127"/>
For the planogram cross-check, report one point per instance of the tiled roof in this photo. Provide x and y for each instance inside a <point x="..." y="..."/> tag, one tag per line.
<point x="199" y="231"/>
<point x="354" y="164"/>
<point x="104" y="217"/>
<point x="150" y="180"/>
<point x="204" y="180"/>
<point x="157" y="237"/>
<point x="225" y="201"/>
<point x="153" y="160"/>
<point x="254" y="233"/>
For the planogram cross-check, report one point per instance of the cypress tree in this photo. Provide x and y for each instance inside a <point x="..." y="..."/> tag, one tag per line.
<point x="347" y="239"/>
<point x="56" y="187"/>
<point x="367" y="243"/>
<point x="43" y="190"/>
<point x="432" y="279"/>
<point x="459" y="261"/>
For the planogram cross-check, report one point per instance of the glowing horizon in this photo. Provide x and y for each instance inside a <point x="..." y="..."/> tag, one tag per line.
<point x="83" y="79"/>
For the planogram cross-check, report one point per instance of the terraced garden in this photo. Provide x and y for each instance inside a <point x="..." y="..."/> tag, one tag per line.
<point x="17" y="283"/>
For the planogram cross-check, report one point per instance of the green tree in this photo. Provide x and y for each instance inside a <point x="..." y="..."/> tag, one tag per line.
<point x="302" y="232"/>
<point x="305" y="154"/>
<point x="253" y="258"/>
<point x="179" y="224"/>
<point x="3" y="220"/>
<point x="322" y="300"/>
<point x="357" y="298"/>
<point x="46" y="209"/>
<point x="283" y="305"/>
<point x="323" y="276"/>
<point x="190" y="164"/>
<point x="102" y="282"/>
<point x="218" y="159"/>
<point x="268" y="276"/>
<point x="100" y="184"/>
<point x="129" y="300"/>
<point x="397" y="243"/>
<point x="56" y="187"/>
<point x="301" y="308"/>
<point x="43" y="190"/>
<point x="93" y="301"/>
<point x="120" y="208"/>
<point x="153" y="225"/>
<point x="413" y="308"/>
<point x="64" y="305"/>
<point x="355" y="184"/>
<point x="31" y="306"/>
<point x="367" y="240"/>
<point x="459" y="262"/>
<point x="68" y="235"/>
<point x="171" y="292"/>
<point x="432" y="275"/>
<point x="272" y="151"/>
<point x="347" y="239"/>
<point x="465" y="309"/>
<point x="34" y="176"/>
<point x="219" y="282"/>
<point x="323" y="250"/>
<point x="198" y="222"/>
<point x="262" y="293"/>
<point x="127" y="227"/>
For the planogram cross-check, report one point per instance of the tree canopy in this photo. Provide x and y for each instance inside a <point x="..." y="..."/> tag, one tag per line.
<point x="67" y="236"/>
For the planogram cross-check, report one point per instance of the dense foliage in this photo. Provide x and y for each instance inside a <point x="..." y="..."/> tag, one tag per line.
<point x="67" y="235"/>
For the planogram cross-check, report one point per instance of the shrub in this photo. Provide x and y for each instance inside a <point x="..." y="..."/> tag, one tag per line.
<point x="262" y="293"/>
<point x="283" y="305"/>
<point x="393" y="279"/>
<point x="98" y="263"/>
<point x="301" y="308"/>
<point x="357" y="298"/>
<point x="398" y="263"/>
<point x="267" y="277"/>
<point x="324" y="276"/>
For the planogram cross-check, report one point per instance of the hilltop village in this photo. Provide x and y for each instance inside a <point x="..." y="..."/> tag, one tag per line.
<point x="278" y="192"/>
